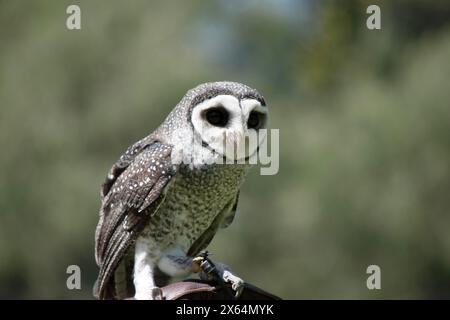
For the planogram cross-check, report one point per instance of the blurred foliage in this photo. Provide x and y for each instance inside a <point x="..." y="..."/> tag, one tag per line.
<point x="364" y="122"/>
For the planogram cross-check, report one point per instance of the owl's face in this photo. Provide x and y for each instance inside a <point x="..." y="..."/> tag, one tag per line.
<point x="230" y="126"/>
<point x="216" y="121"/>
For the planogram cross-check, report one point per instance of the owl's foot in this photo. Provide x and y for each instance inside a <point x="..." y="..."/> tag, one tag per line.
<point x="237" y="284"/>
<point x="209" y="271"/>
<point x="154" y="293"/>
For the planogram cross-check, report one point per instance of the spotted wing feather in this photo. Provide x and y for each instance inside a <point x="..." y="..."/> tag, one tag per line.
<point x="127" y="206"/>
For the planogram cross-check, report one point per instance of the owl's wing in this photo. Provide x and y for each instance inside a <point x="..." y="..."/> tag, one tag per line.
<point x="129" y="200"/>
<point x="228" y="218"/>
<point x="124" y="161"/>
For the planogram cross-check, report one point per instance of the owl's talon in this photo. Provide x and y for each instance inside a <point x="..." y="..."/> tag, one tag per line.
<point x="237" y="284"/>
<point x="157" y="294"/>
<point x="154" y="293"/>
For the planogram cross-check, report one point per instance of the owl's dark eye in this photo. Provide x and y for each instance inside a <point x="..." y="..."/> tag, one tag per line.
<point x="255" y="120"/>
<point x="218" y="116"/>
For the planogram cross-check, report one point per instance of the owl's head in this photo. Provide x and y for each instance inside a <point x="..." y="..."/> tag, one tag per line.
<point x="226" y="120"/>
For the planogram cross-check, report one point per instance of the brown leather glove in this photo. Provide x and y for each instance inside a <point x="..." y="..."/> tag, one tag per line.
<point x="209" y="290"/>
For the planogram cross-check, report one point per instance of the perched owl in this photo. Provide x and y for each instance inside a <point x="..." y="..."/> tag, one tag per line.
<point x="169" y="193"/>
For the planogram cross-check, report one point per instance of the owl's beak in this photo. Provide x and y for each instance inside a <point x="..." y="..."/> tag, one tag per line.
<point x="235" y="143"/>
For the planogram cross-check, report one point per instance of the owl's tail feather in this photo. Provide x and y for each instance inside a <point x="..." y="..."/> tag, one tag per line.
<point x="106" y="294"/>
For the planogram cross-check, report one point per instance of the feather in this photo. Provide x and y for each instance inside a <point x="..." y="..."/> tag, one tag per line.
<point x="130" y="198"/>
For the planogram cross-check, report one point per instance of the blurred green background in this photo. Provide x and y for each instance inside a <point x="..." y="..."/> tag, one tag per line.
<point x="364" y="119"/>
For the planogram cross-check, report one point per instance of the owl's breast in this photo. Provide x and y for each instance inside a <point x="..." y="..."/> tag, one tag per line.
<point x="192" y="202"/>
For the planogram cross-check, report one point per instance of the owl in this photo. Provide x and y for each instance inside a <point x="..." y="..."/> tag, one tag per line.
<point x="169" y="193"/>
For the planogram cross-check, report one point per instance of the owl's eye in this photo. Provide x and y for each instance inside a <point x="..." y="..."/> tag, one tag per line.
<point x="217" y="116"/>
<point x="255" y="120"/>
